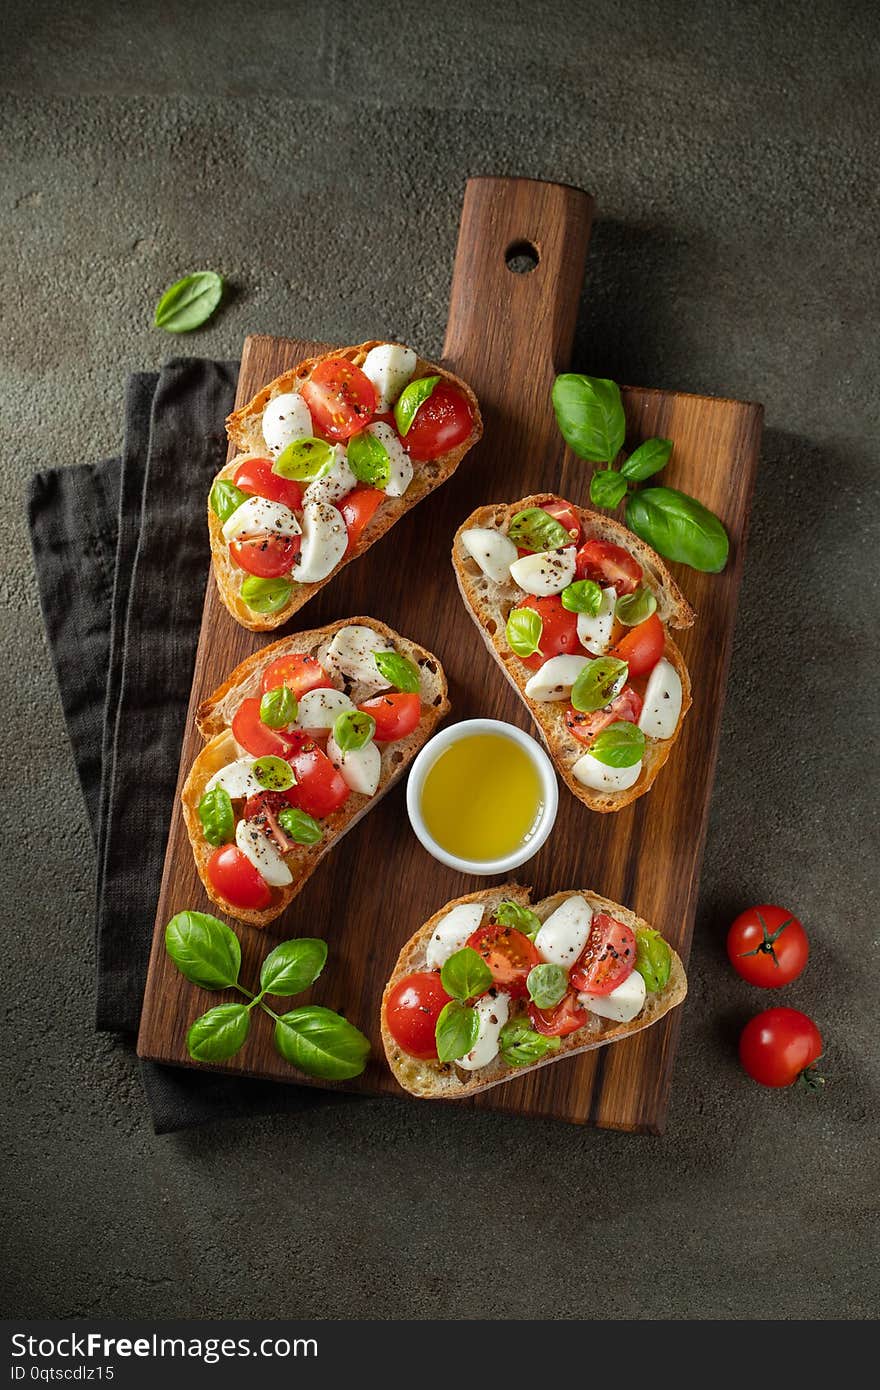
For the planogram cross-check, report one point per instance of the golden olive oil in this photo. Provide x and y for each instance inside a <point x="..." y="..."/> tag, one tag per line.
<point x="482" y="797"/>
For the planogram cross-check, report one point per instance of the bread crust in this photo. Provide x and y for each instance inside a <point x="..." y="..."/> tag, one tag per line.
<point x="243" y="427"/>
<point x="433" y="1080"/>
<point x="489" y="604"/>
<point x="214" y="716"/>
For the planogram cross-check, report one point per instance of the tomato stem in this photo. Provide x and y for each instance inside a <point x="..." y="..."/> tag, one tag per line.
<point x="765" y="947"/>
<point x="810" y="1079"/>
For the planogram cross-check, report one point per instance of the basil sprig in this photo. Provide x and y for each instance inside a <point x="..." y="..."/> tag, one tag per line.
<point x="590" y="415"/>
<point x="520" y="1044"/>
<point x="534" y="529"/>
<point x="523" y="631"/>
<point x="410" y="400"/>
<point x="465" y="975"/>
<point x="653" y="959"/>
<point x="679" y="527"/>
<point x="637" y="607"/>
<point x="620" y="745"/>
<point x="582" y="596"/>
<point x="302" y="828"/>
<point x="303" y="460"/>
<point x="278" y="707"/>
<point x="646" y="460"/>
<point x="456" y="1032"/>
<point x="266" y="595"/>
<point x="509" y="914"/>
<point x="598" y="683"/>
<point x="217" y="817"/>
<point x="546" y="985"/>
<point x="398" y="671"/>
<point x="352" y="730"/>
<point x="189" y="302"/>
<point x="273" y="774"/>
<point x="226" y="498"/>
<point x="607" y="489"/>
<point x="368" y="460"/>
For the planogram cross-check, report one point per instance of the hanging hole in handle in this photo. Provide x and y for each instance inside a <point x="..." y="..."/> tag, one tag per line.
<point x="522" y="257"/>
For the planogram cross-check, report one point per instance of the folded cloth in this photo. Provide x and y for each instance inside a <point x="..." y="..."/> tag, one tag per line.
<point x="121" y="555"/>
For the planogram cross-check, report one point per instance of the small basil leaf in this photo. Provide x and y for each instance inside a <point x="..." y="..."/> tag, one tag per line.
<point x="278" y="707"/>
<point x="321" y="1043"/>
<point x="273" y="773"/>
<point x="302" y="828"/>
<point x="523" y="631"/>
<point x="598" y="683"/>
<point x="620" y="745"/>
<point x="189" y="302"/>
<point x="305" y="459"/>
<point x="590" y="415"/>
<point x="219" y="1033"/>
<point x="607" y="489"/>
<point x="266" y="595"/>
<point x="368" y="460"/>
<point x="399" y="671"/>
<point x="546" y="985"/>
<point x="352" y="730"/>
<point x="637" y="607"/>
<point x="410" y="400"/>
<point x="679" y="527"/>
<point x="204" y="949"/>
<point x="535" y="529"/>
<point x="647" y="459"/>
<point x="226" y="498"/>
<point x="520" y="1045"/>
<point x="456" y="1031"/>
<point x="509" y="914"/>
<point x="465" y="975"/>
<point x="293" y="966"/>
<point x="217" y="817"/>
<point x="583" y="596"/>
<point x="653" y="960"/>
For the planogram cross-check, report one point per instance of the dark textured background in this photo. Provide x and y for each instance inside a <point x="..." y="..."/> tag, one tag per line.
<point x="317" y="154"/>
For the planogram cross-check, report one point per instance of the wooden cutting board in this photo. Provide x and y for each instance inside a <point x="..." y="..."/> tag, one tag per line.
<point x="509" y="333"/>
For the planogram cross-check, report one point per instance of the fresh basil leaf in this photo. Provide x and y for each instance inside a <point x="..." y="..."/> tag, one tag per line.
<point x="410" y="400"/>
<point x="273" y="773"/>
<point x="216" y="815"/>
<point x="646" y="460"/>
<point x="583" y="596"/>
<point x="266" y="595"/>
<point x="546" y="985"/>
<point x="535" y="529"/>
<point x="301" y="827"/>
<point x="456" y="1031"/>
<point x="278" y="707"/>
<point x="678" y="527"/>
<point x="653" y="959"/>
<point x="620" y="745"/>
<point x="368" y="460"/>
<point x="637" y="607"/>
<point x="399" y="671"/>
<point x="520" y="1044"/>
<point x="598" y="683"/>
<point x="189" y="302"/>
<point x="607" y="489"/>
<point x="204" y="949"/>
<point x="509" y="914"/>
<point x="465" y="975"/>
<point x="590" y="415"/>
<point x="303" y="460"/>
<point x="352" y="730"/>
<point x="226" y="498"/>
<point x="523" y="631"/>
<point x="219" y="1033"/>
<point x="293" y="966"/>
<point x="321" y="1043"/>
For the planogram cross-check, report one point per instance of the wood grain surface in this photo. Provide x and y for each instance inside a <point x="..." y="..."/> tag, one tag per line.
<point x="508" y="334"/>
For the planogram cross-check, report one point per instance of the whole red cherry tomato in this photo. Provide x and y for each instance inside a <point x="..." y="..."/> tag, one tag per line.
<point x="780" y="1046"/>
<point x="767" y="946"/>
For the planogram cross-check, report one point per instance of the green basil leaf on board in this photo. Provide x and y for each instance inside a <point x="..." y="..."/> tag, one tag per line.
<point x="620" y="745"/>
<point x="293" y="966"/>
<point x="646" y="460"/>
<point x="410" y="400"/>
<point x="456" y="1031"/>
<point x="189" y="302"/>
<point x="523" y="631"/>
<point x="546" y="985"/>
<point x="607" y="489"/>
<point x="398" y="671"/>
<point x="226" y="498"/>
<point x="678" y="527"/>
<point x="368" y="460"/>
<point x="465" y="975"/>
<point x="219" y="1033"/>
<point x="598" y="683"/>
<point x="217" y="816"/>
<point x="589" y="413"/>
<point x="278" y="707"/>
<point x="321" y="1043"/>
<point x="274" y="774"/>
<point x="303" y="460"/>
<point x="266" y="595"/>
<point x="204" y="949"/>
<point x="520" y="1045"/>
<point x="653" y="959"/>
<point x="583" y="596"/>
<point x="302" y="828"/>
<point x="637" y="607"/>
<point x="535" y="529"/>
<point x="509" y="914"/>
<point x="352" y="730"/>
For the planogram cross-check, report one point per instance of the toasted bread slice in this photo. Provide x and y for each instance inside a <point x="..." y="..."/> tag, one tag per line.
<point x="433" y="1080"/>
<point x="489" y="605"/>
<point x="214" y="717"/>
<point x="244" y="428"/>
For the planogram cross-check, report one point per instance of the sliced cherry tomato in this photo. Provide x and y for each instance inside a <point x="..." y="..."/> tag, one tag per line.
<point x="565" y="1017"/>
<point x="340" y="398"/>
<point x="411" y="1012"/>
<point x="558" y="632"/>
<point x="442" y="422"/>
<point x="609" y="565"/>
<point x="260" y="741"/>
<point x="320" y="788"/>
<point x="265" y="807"/>
<point x="509" y="954"/>
<point x="625" y="707"/>
<point x="565" y="513"/>
<point x="265" y="554"/>
<point x="767" y="946"/>
<point x="357" y="510"/>
<point x="396" y="715"/>
<point x="642" y="646"/>
<point x="299" y="673"/>
<point x="608" y="957"/>
<point x="256" y="477"/>
<point x="234" y="877"/>
<point x="779" y="1046"/>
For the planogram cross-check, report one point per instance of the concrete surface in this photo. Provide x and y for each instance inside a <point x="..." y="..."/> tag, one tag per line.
<point x="318" y="159"/>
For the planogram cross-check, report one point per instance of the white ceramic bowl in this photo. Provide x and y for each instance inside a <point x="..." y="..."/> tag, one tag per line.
<point x="425" y="761"/>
